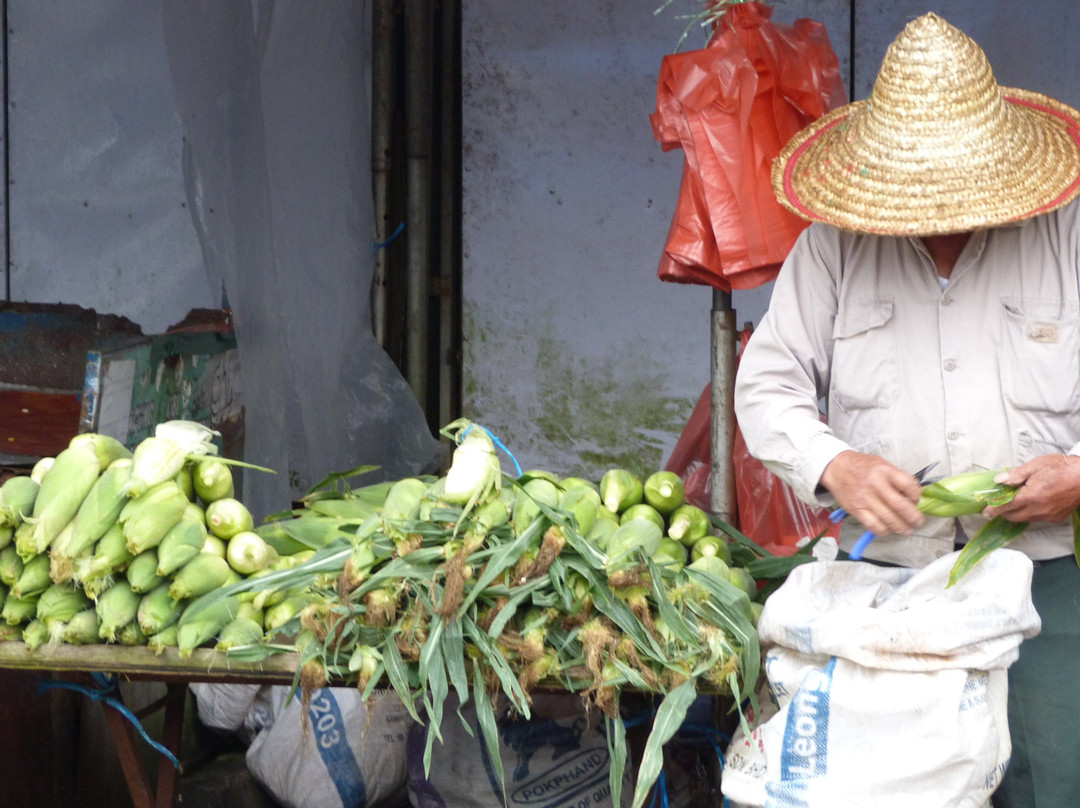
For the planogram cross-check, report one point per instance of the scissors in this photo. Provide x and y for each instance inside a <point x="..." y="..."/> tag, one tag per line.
<point x="864" y="540"/>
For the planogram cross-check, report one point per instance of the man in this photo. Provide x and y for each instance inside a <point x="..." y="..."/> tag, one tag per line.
<point x="935" y="304"/>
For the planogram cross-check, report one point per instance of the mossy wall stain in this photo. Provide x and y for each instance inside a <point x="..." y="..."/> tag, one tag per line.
<point x="557" y="406"/>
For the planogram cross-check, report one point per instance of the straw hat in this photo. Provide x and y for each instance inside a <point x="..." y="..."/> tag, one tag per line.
<point x="937" y="148"/>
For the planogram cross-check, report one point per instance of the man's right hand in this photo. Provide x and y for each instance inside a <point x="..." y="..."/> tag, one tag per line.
<point x="877" y="493"/>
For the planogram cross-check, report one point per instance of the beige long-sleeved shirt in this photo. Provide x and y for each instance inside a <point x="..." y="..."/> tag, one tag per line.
<point x="981" y="374"/>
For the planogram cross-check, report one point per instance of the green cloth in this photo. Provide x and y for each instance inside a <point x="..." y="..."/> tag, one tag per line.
<point x="1043" y="688"/>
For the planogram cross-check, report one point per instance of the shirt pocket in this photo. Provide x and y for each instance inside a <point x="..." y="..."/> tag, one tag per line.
<point x="864" y="367"/>
<point x="1040" y="355"/>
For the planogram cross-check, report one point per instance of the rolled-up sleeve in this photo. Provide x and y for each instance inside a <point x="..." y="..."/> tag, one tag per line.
<point x="784" y="370"/>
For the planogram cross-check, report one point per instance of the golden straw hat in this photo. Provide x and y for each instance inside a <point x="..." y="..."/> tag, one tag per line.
<point x="938" y="147"/>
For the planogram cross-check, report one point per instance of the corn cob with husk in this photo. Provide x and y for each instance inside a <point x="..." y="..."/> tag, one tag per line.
<point x="211" y="479"/>
<point x="97" y="513"/>
<point x="227" y="516"/>
<point x="57" y="606"/>
<point x="183" y="542"/>
<point x="147" y="518"/>
<point x="106" y="448"/>
<point x="116" y="607"/>
<point x="17" y="496"/>
<point x="158" y="610"/>
<point x="61" y="492"/>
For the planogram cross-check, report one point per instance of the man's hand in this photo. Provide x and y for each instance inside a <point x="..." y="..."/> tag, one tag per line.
<point x="877" y="493"/>
<point x="1049" y="490"/>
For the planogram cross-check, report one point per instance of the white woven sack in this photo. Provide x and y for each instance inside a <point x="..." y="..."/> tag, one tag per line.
<point x="885" y="687"/>
<point x="344" y="757"/>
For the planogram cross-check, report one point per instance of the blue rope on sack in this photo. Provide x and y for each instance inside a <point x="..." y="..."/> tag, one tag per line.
<point x="710" y="734"/>
<point x="498" y="443"/>
<point x="108" y="692"/>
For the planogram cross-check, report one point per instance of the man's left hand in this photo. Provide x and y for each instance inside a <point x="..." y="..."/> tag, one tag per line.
<point x="1049" y="490"/>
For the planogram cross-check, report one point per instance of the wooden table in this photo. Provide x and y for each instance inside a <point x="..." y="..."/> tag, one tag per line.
<point x="140" y="663"/>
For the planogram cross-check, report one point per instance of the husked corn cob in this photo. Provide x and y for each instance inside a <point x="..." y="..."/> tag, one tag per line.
<point x="61" y="492"/>
<point x="106" y="448"/>
<point x="155" y="460"/>
<point x="147" y="518"/>
<point x="116" y="607"/>
<point x="17" y="496"/>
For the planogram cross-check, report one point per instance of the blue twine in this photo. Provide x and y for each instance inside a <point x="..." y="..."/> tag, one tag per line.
<point x="497" y="442"/>
<point x="108" y="693"/>
<point x="397" y="232"/>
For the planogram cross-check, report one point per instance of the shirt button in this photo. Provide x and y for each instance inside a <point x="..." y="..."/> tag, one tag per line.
<point x="946" y="300"/>
<point x="953" y="435"/>
<point x="950" y="365"/>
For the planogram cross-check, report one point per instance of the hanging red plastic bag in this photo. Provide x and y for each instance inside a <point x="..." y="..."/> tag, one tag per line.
<point x="767" y="509"/>
<point x="731" y="107"/>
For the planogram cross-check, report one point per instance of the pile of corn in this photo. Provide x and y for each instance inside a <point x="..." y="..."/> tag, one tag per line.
<point x="102" y="544"/>
<point x="493" y="585"/>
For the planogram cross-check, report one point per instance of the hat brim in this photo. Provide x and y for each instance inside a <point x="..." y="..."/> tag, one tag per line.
<point x="825" y="174"/>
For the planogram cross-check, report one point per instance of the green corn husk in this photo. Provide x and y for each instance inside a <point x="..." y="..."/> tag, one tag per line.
<point x="619" y="489"/>
<point x="711" y="546"/>
<point x="157" y="609"/>
<point x="95" y="572"/>
<point x="183" y="542"/>
<point x="583" y="502"/>
<point x="11" y="565"/>
<point x="142" y="572"/>
<point x="237" y="632"/>
<point x="35" y="634"/>
<point x="186" y="483"/>
<point x="116" y="607"/>
<point x="202" y="621"/>
<point x="61" y="492"/>
<point x="194" y="438"/>
<point x="98" y="512"/>
<point x="670" y="554"/>
<point x="132" y="635"/>
<point x="964" y="494"/>
<point x="155" y="460"/>
<point x="147" y="518"/>
<point x="7" y="537"/>
<point x="164" y="639"/>
<point x="664" y="490"/>
<point x="247" y="609"/>
<point x="532" y="494"/>
<point x="60" y="602"/>
<point x="106" y="448"/>
<point x="23" y="540"/>
<point x="18" y="611"/>
<point x="41" y="468"/>
<point x="688" y="523"/>
<point x="247" y="553"/>
<point x="34" y="578"/>
<point x="228" y="516"/>
<point x="629" y="537"/>
<point x="601" y="531"/>
<point x="82" y="629"/>
<point x="402" y="506"/>
<point x="17" y="496"/>
<point x="276" y="616"/>
<point x="212" y="480"/>
<point x="205" y="572"/>
<point x="643" y="511"/>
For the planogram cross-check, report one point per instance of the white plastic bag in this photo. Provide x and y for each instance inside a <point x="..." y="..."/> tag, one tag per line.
<point x="885" y="687"/>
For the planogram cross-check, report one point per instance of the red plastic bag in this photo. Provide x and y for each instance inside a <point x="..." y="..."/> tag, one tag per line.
<point x="767" y="509"/>
<point x="731" y="107"/>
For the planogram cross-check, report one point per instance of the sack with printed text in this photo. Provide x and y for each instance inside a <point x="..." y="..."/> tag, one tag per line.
<point x="885" y="688"/>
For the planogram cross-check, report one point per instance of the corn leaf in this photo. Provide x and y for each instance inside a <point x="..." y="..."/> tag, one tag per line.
<point x="510" y="684"/>
<point x="616" y="741"/>
<point x="454" y="653"/>
<point x="398" y="675"/>
<point x="669" y="717"/>
<point x="489" y="728"/>
<point x="994" y="534"/>
<point x="666" y="609"/>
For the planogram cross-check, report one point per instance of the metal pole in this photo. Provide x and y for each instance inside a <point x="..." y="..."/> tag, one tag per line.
<point x="722" y="474"/>
<point x="382" y="93"/>
<point x="418" y="41"/>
